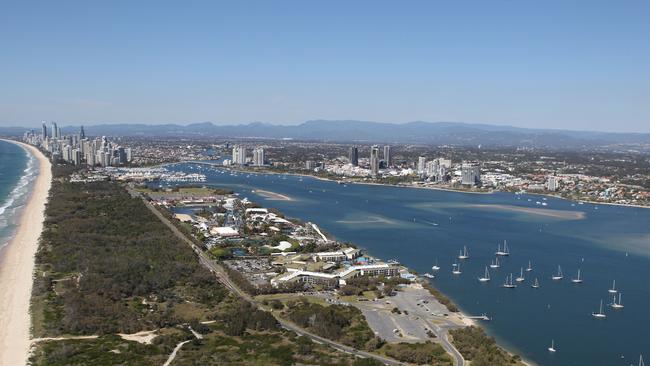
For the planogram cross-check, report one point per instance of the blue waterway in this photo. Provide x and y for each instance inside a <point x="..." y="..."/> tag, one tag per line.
<point x="17" y="170"/>
<point x="611" y="242"/>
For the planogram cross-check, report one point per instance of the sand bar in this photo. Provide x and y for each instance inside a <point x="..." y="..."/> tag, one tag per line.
<point x="17" y="267"/>
<point x="272" y="196"/>
<point x="558" y="214"/>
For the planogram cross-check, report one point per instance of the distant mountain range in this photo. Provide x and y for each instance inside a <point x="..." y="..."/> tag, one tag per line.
<point x="439" y="133"/>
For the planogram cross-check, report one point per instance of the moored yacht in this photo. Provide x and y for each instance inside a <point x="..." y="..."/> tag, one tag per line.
<point x="577" y="279"/>
<point x="535" y="284"/>
<point x="552" y="347"/>
<point x="456" y="269"/>
<point x="503" y="252"/>
<point x="486" y="276"/>
<point x="558" y="276"/>
<point x="613" y="289"/>
<point x="508" y="283"/>
<point x="435" y="266"/>
<point x="530" y="267"/>
<point x="463" y="253"/>
<point x="599" y="314"/>
<point x="495" y="263"/>
<point x="521" y="276"/>
<point x="617" y="305"/>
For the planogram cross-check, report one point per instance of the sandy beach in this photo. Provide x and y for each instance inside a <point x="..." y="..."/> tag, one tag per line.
<point x="16" y="269"/>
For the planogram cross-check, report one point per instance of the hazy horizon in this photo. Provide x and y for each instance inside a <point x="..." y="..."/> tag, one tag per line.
<point x="578" y="65"/>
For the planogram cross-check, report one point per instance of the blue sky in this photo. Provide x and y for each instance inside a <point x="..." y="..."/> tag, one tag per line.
<point x="544" y="64"/>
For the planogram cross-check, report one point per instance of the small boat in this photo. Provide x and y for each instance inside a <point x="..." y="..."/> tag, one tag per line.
<point x="521" y="276"/>
<point x="495" y="263"/>
<point x="530" y="267"/>
<point x="577" y="279"/>
<point x="456" y="269"/>
<point x="428" y="275"/>
<point x="613" y="289"/>
<point x="552" y="347"/>
<point x="503" y="252"/>
<point x="486" y="276"/>
<point x="617" y="305"/>
<point x="599" y="314"/>
<point x="508" y="283"/>
<point x="558" y="276"/>
<point x="535" y="284"/>
<point x="435" y="266"/>
<point x="641" y="360"/>
<point x="463" y="253"/>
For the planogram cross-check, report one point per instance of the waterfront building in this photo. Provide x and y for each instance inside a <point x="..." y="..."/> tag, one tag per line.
<point x="310" y="165"/>
<point x="374" y="160"/>
<point x="239" y="155"/>
<point x="354" y="156"/>
<point x="552" y="183"/>
<point x="470" y="174"/>
<point x="55" y="131"/>
<point x="422" y="164"/>
<point x="258" y="156"/>
<point x="44" y="131"/>
<point x="387" y="158"/>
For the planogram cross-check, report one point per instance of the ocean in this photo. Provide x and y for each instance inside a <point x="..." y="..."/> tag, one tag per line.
<point x="18" y="170"/>
<point x="419" y="227"/>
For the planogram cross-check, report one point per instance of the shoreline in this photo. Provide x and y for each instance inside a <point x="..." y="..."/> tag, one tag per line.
<point x="17" y="267"/>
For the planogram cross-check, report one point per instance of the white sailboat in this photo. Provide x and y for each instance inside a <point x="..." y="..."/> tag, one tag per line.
<point x="435" y="266"/>
<point x="617" y="305"/>
<point x="558" y="276"/>
<point x="599" y="314"/>
<point x="641" y="360"/>
<point x="535" y="284"/>
<point x="530" y="267"/>
<point x="508" y="283"/>
<point x="486" y="276"/>
<point x="456" y="269"/>
<point x="503" y="252"/>
<point x="463" y="253"/>
<point x="552" y="347"/>
<point x="495" y="263"/>
<point x="613" y="289"/>
<point x="521" y="276"/>
<point x="577" y="279"/>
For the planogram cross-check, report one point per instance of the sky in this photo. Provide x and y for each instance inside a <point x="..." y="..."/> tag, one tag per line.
<point x="582" y="65"/>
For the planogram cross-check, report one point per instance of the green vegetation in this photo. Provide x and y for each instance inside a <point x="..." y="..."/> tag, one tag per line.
<point x="480" y="349"/>
<point x="344" y="324"/>
<point x="107" y="265"/>
<point x="418" y="353"/>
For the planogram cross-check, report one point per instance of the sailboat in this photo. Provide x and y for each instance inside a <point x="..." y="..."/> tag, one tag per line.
<point x="508" y="283"/>
<point x="463" y="253"/>
<point x="613" y="289"/>
<point x="552" y="347"/>
<point x="600" y="313"/>
<point x="456" y="269"/>
<point x="435" y="266"/>
<point x="577" y="279"/>
<point x="521" y="276"/>
<point x="503" y="252"/>
<point x="530" y="267"/>
<point x="559" y="275"/>
<point x="616" y="305"/>
<point x="495" y="263"/>
<point x="486" y="276"/>
<point x="535" y="284"/>
<point x="641" y="360"/>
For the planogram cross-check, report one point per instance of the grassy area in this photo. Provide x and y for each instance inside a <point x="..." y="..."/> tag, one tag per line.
<point x="183" y="191"/>
<point x="480" y="349"/>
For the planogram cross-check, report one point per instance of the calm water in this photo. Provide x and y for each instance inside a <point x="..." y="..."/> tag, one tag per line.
<point x="17" y="171"/>
<point x="418" y="226"/>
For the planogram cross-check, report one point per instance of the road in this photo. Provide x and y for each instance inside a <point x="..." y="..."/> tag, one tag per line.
<point x="222" y="277"/>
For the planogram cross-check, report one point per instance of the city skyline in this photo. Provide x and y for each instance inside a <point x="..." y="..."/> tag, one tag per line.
<point x="578" y="65"/>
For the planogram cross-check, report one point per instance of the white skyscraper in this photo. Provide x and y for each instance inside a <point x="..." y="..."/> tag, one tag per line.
<point x="258" y="156"/>
<point x="374" y="160"/>
<point x="470" y="174"/>
<point x="422" y="161"/>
